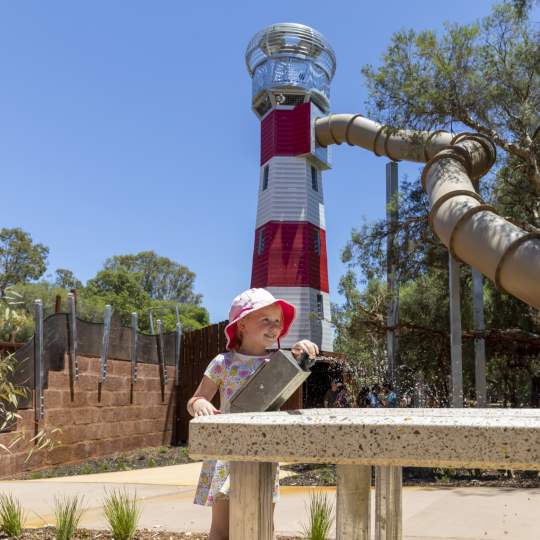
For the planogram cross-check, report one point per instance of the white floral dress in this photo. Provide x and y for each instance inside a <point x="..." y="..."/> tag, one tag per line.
<point x="230" y="371"/>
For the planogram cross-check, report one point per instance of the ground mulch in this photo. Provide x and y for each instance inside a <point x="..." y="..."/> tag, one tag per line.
<point x="144" y="534"/>
<point x="160" y="456"/>
<point x="325" y="475"/>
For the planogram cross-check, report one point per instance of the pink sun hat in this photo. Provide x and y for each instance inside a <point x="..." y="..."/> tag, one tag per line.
<point x="248" y="302"/>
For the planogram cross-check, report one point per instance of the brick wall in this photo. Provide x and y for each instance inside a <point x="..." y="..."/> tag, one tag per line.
<point x="94" y="421"/>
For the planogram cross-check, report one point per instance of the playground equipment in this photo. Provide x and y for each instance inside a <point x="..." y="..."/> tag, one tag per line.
<point x="356" y="439"/>
<point x="272" y="384"/>
<point x="291" y="66"/>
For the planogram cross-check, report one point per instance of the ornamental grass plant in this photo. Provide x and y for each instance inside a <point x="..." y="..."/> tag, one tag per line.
<point x="122" y="512"/>
<point x="320" y="517"/>
<point x="67" y="512"/>
<point x="12" y="515"/>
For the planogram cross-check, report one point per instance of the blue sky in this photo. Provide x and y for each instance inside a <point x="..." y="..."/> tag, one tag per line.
<point x="127" y="126"/>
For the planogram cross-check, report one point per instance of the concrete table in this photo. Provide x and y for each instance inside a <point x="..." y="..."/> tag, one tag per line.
<point x="355" y="440"/>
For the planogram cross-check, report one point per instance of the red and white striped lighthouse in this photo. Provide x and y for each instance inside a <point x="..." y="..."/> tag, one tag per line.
<point x="292" y="66"/>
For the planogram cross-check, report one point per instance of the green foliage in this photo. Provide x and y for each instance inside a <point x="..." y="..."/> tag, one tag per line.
<point x="321" y="517"/>
<point x="20" y="258"/>
<point x="121" y="289"/>
<point x="161" y="277"/>
<point x="65" y="279"/>
<point x="122" y="512"/>
<point x="67" y="513"/>
<point x="485" y="77"/>
<point x="12" y="515"/>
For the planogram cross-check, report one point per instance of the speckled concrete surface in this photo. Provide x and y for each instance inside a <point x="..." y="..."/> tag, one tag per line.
<point x="484" y="438"/>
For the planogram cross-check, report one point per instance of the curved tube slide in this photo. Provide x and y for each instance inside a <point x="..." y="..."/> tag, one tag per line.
<point x="470" y="229"/>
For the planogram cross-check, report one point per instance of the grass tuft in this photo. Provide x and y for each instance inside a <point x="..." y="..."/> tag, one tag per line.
<point x="321" y="517"/>
<point x="67" y="513"/>
<point x="12" y="515"/>
<point x="122" y="512"/>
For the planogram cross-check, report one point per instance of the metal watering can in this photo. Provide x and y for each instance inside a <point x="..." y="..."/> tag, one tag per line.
<point x="273" y="383"/>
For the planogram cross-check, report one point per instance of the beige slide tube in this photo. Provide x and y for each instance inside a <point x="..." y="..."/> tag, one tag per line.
<point x="470" y="229"/>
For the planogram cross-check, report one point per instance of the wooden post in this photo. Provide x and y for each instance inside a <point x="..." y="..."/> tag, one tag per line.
<point x="388" y="511"/>
<point x="353" y="502"/>
<point x="455" y="332"/>
<point x="250" y="504"/>
<point x="479" y="343"/>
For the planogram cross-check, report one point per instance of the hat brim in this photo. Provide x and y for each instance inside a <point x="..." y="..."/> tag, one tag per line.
<point x="289" y="315"/>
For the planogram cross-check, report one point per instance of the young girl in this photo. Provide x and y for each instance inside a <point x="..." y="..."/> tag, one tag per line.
<point x="256" y="321"/>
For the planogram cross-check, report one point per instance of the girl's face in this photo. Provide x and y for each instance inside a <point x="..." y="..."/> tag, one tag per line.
<point x="261" y="328"/>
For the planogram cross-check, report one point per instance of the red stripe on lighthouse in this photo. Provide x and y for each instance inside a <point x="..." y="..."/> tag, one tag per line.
<point x="286" y="132"/>
<point x="290" y="255"/>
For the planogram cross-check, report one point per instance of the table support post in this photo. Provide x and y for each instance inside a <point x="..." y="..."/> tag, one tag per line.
<point x="250" y="511"/>
<point x="388" y="515"/>
<point x="353" y="502"/>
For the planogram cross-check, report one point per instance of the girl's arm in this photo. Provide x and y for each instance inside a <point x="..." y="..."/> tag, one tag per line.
<point x="199" y="404"/>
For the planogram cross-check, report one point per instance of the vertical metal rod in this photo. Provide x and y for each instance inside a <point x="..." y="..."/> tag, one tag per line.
<point x="455" y="332"/>
<point x="134" y="343"/>
<point x="161" y="352"/>
<point x="391" y="263"/>
<point x="177" y="311"/>
<point x="151" y="320"/>
<point x="177" y="352"/>
<point x="105" y="344"/>
<point x="73" y="336"/>
<point x="38" y="361"/>
<point x="479" y="343"/>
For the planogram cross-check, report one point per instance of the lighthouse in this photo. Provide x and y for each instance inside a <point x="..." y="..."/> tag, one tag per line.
<point x="291" y="66"/>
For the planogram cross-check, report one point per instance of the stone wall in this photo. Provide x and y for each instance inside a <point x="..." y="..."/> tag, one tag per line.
<point x="95" y="420"/>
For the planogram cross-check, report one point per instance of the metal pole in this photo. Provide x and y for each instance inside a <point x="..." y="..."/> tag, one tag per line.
<point x="392" y="282"/>
<point x="105" y="344"/>
<point x="151" y="319"/>
<point x="177" y="311"/>
<point x="73" y="335"/>
<point x="38" y="361"/>
<point x="161" y="352"/>
<point x="177" y="352"/>
<point x="455" y="332"/>
<point x="479" y="343"/>
<point x="134" y="340"/>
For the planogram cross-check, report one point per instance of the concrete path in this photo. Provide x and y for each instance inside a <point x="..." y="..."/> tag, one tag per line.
<point x="166" y="495"/>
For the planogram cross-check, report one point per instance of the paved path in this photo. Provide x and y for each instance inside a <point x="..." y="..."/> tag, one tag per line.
<point x="166" y="495"/>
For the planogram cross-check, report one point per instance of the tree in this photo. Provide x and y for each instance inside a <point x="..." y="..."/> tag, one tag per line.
<point x="478" y="77"/>
<point x="161" y="278"/>
<point x="119" y="288"/>
<point x="20" y="258"/>
<point x="65" y="279"/>
<point x="484" y="76"/>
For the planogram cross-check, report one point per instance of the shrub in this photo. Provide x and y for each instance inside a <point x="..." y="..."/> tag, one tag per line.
<point x="67" y="513"/>
<point x="12" y="515"/>
<point x="122" y="512"/>
<point x="321" y="517"/>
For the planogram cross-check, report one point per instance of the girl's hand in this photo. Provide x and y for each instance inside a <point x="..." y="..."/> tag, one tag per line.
<point x="305" y="346"/>
<point x="203" y="407"/>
